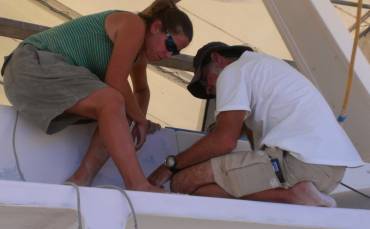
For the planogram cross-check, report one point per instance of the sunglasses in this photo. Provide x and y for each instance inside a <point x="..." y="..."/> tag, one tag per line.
<point x="171" y="45"/>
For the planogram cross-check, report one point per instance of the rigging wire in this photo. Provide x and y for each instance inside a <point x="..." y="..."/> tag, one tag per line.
<point x="363" y="20"/>
<point x="355" y="190"/>
<point x="212" y="24"/>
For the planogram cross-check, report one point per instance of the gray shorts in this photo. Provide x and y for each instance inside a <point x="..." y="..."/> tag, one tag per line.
<point x="41" y="85"/>
<point x="247" y="172"/>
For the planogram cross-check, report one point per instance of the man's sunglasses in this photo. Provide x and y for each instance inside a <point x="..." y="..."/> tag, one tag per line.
<point x="171" y="45"/>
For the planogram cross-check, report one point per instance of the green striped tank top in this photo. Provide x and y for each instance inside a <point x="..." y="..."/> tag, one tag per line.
<point x="82" y="41"/>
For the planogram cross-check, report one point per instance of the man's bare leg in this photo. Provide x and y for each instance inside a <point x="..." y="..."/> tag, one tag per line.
<point x="304" y="193"/>
<point x="107" y="107"/>
<point x="199" y="180"/>
<point x="189" y="180"/>
<point x="212" y="190"/>
<point x="92" y="162"/>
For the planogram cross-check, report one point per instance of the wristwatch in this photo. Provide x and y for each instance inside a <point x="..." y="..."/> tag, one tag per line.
<point x="170" y="163"/>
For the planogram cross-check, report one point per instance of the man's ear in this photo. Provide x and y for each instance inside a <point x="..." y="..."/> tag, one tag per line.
<point x="217" y="58"/>
<point x="156" y="27"/>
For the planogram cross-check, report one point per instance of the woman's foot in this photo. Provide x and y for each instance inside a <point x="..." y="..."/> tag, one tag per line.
<point x="81" y="177"/>
<point x="147" y="187"/>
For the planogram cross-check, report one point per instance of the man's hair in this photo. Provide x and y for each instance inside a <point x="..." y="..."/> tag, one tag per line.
<point x="228" y="53"/>
<point x="234" y="53"/>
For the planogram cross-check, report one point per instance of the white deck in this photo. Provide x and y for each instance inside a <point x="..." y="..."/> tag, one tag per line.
<point x="52" y="159"/>
<point x="103" y="208"/>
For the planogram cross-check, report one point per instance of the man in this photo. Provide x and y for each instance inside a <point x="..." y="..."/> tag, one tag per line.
<point x="301" y="151"/>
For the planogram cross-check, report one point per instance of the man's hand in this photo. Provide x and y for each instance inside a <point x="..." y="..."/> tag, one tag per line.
<point x="139" y="133"/>
<point x="160" y="176"/>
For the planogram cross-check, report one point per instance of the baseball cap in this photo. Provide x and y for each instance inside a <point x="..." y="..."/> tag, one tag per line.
<point x="202" y="58"/>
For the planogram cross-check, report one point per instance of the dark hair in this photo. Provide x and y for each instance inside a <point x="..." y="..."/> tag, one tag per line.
<point x="173" y="19"/>
<point x="232" y="53"/>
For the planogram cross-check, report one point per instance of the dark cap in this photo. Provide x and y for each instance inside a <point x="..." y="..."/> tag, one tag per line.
<point x="203" y="57"/>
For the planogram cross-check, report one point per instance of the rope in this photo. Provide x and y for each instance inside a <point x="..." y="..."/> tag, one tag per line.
<point x="15" y="149"/>
<point x="343" y="114"/>
<point x="123" y="192"/>
<point x="78" y="197"/>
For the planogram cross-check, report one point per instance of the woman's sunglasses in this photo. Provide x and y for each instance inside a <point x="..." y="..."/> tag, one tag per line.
<point x="171" y="45"/>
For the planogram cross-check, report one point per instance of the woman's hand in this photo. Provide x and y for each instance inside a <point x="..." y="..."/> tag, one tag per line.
<point x="139" y="133"/>
<point x="141" y="129"/>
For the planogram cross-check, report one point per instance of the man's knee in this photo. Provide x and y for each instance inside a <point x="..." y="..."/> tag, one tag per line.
<point x="190" y="179"/>
<point x="178" y="182"/>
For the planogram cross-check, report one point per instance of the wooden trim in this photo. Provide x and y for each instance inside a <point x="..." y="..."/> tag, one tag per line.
<point x="59" y="8"/>
<point x="18" y="29"/>
<point x="181" y="62"/>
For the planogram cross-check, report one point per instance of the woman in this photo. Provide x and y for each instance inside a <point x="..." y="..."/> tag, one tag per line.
<point x="79" y="70"/>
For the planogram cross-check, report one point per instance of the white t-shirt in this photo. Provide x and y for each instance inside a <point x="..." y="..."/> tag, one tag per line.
<point x="287" y="111"/>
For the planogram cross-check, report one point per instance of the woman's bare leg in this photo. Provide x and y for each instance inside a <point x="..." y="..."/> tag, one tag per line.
<point x="92" y="162"/>
<point x="107" y="107"/>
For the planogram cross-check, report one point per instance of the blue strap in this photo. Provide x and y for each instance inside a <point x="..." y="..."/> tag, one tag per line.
<point x="341" y="118"/>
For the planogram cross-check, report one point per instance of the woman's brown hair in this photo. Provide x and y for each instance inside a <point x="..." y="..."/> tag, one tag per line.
<point x="173" y="19"/>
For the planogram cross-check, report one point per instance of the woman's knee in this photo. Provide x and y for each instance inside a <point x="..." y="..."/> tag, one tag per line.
<point x="109" y="100"/>
<point x="102" y="100"/>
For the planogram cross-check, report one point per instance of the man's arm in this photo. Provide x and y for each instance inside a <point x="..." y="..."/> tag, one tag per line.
<point x="220" y="141"/>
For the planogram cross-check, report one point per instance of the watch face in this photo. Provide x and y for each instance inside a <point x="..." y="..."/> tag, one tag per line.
<point x="170" y="162"/>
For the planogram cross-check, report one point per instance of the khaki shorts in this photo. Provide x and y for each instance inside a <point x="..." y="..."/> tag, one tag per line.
<point x="243" y="173"/>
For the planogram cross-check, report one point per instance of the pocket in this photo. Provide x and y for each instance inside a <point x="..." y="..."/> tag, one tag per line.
<point x="47" y="58"/>
<point x="6" y="61"/>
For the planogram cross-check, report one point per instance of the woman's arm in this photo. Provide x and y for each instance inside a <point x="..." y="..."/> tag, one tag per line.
<point x="140" y="85"/>
<point x="127" y="32"/>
